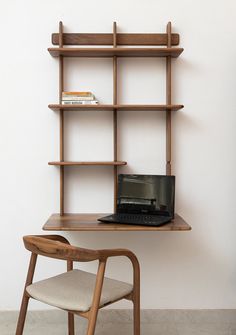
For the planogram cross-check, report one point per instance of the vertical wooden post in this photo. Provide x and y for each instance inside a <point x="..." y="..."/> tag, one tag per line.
<point x="168" y="102"/>
<point x="115" y="114"/>
<point x="61" y="88"/>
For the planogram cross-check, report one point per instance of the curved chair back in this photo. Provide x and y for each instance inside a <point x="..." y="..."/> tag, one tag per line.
<point x="55" y="246"/>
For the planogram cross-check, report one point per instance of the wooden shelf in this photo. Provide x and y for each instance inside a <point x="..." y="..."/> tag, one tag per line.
<point x="88" y="222"/>
<point x="119" y="52"/>
<point x="57" y="107"/>
<point x="66" y="163"/>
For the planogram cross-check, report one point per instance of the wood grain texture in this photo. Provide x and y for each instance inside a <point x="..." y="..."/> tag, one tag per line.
<point x="168" y="102"/>
<point x="107" y="39"/>
<point x="25" y="298"/>
<point x="111" y="163"/>
<point x="43" y="246"/>
<point x="61" y="89"/>
<point x="96" y="298"/>
<point x="88" y="222"/>
<point x="119" y="52"/>
<point x="57" y="107"/>
<point x="54" y="247"/>
<point x="115" y="143"/>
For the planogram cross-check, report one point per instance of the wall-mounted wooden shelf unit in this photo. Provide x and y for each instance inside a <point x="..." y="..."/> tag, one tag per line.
<point x="112" y="45"/>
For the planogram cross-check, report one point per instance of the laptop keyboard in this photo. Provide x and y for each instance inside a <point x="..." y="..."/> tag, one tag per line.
<point x="138" y="219"/>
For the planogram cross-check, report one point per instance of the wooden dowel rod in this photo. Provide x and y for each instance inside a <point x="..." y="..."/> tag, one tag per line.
<point x="60" y="34"/>
<point x="62" y="190"/>
<point x="115" y="114"/>
<point x="168" y="101"/>
<point x="169" y="35"/>
<point x="61" y="88"/>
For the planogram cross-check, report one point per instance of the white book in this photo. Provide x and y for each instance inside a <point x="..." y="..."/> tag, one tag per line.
<point x="76" y="98"/>
<point x="72" y="102"/>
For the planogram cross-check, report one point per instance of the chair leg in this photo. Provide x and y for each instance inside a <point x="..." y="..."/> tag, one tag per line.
<point x="136" y="316"/>
<point x="96" y="298"/>
<point x="25" y="299"/>
<point x="92" y="322"/>
<point x="71" y="324"/>
<point x="22" y="315"/>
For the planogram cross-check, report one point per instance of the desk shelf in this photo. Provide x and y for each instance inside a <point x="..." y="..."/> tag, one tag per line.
<point x="88" y="222"/>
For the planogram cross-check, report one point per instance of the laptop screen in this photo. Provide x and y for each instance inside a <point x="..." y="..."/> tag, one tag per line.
<point x="151" y="194"/>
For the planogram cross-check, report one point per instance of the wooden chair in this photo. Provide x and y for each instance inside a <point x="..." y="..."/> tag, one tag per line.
<point x="76" y="291"/>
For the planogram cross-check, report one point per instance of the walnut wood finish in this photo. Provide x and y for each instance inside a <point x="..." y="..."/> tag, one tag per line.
<point x="44" y="246"/>
<point x="88" y="222"/>
<point x="160" y="108"/>
<point x="114" y="40"/>
<point x="55" y="248"/>
<point x="168" y="102"/>
<point x="115" y="172"/>
<point x="25" y="299"/>
<point x="96" y="297"/>
<point x="121" y="39"/>
<point x="119" y="52"/>
<point x="87" y="163"/>
<point x="71" y="320"/>
<point x="61" y="89"/>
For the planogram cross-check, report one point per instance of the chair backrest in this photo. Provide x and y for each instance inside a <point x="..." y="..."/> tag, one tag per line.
<point x="55" y="246"/>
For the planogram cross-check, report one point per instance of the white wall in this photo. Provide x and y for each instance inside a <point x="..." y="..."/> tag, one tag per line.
<point x="179" y="270"/>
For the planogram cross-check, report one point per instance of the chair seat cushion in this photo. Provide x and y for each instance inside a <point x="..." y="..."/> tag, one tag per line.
<point x="73" y="290"/>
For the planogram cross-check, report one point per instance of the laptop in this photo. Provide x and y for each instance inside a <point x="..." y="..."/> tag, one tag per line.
<point x="144" y="200"/>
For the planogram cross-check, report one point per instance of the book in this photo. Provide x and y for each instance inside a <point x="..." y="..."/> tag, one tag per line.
<point x="77" y="98"/>
<point x="77" y="94"/>
<point x="80" y="102"/>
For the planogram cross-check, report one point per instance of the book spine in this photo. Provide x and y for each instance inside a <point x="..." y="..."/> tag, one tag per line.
<point x="81" y="94"/>
<point x="76" y="98"/>
<point x="93" y="102"/>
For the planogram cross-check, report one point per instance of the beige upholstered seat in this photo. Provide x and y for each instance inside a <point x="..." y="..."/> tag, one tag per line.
<point x="74" y="290"/>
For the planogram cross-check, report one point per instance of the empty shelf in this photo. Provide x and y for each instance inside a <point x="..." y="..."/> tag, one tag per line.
<point x="119" y="52"/>
<point x="68" y="163"/>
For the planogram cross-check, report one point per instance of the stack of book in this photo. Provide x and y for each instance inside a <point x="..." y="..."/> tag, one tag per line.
<point x="78" y="98"/>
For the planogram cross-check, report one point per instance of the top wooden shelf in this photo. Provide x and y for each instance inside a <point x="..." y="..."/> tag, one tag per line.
<point x="119" y="52"/>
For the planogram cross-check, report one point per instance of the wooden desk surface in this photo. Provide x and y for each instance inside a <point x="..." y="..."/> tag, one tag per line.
<point x="88" y="222"/>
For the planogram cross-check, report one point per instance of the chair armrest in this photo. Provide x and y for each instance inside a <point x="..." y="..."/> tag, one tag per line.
<point x="107" y="253"/>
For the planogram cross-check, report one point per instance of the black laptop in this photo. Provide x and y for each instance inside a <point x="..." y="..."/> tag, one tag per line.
<point x="144" y="200"/>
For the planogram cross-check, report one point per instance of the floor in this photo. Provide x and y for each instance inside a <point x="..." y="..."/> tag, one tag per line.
<point x="119" y="322"/>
